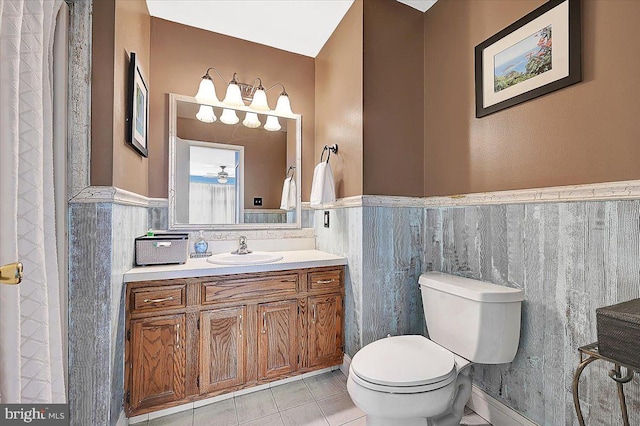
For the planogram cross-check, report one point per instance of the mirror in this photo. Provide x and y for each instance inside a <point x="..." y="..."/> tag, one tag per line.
<point x="230" y="176"/>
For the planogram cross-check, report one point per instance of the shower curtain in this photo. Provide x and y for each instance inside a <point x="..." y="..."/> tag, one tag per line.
<point x="210" y="203"/>
<point x="31" y="368"/>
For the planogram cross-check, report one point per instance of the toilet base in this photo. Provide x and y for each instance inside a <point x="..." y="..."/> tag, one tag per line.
<point x="378" y="421"/>
<point x="450" y="414"/>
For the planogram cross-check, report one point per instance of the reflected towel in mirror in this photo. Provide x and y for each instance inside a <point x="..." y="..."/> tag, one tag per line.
<point x="323" y="187"/>
<point x="288" y="194"/>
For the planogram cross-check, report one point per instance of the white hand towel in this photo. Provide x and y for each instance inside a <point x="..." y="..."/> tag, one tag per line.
<point x="323" y="187"/>
<point x="286" y="191"/>
<point x="293" y="195"/>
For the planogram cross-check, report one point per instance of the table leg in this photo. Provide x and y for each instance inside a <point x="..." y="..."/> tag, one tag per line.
<point x="576" y="380"/>
<point x="623" y="402"/>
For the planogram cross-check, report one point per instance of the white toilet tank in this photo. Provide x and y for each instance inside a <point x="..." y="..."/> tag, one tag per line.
<point x="477" y="320"/>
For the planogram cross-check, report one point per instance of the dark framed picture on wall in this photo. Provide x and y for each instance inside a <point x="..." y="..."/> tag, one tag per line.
<point x="536" y="55"/>
<point x="138" y="109"/>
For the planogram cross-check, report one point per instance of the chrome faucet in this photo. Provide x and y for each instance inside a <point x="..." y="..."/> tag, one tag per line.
<point x="242" y="246"/>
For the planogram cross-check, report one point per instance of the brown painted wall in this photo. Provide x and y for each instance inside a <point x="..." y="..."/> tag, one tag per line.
<point x="119" y="27"/>
<point x="264" y="156"/>
<point x="180" y="56"/>
<point x="103" y="42"/>
<point x="133" y="27"/>
<point x="339" y="101"/>
<point x="584" y="133"/>
<point x="393" y="104"/>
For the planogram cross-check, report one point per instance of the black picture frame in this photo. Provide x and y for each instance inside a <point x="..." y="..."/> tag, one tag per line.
<point x="489" y="100"/>
<point x="138" y="108"/>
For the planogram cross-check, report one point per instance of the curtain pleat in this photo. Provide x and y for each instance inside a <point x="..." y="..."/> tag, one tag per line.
<point x="31" y="368"/>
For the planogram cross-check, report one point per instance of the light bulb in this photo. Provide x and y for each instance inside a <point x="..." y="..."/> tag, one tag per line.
<point x="272" y="124"/>
<point x="283" y="105"/>
<point x="206" y="91"/>
<point x="233" y="97"/>
<point x="206" y="114"/>
<point x="259" y="102"/>
<point x="229" y="116"/>
<point x="251" y="120"/>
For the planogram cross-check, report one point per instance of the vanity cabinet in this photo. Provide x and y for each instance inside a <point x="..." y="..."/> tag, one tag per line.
<point x="278" y="340"/>
<point x="157" y="360"/>
<point x="222" y="348"/>
<point x="325" y="330"/>
<point x="194" y="338"/>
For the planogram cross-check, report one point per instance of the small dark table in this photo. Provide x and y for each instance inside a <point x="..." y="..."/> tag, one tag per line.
<point x="590" y="353"/>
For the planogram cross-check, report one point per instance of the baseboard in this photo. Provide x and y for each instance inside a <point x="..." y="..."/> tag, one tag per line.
<point x="494" y="411"/>
<point x="346" y="362"/>
<point x="122" y="420"/>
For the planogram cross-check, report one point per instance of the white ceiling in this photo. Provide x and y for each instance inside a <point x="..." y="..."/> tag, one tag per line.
<point x="300" y="26"/>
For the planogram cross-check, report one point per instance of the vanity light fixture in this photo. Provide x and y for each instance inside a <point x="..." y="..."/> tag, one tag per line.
<point x="222" y="175"/>
<point x="233" y="96"/>
<point x="206" y="114"/>
<point x="229" y="116"/>
<point x="272" y="124"/>
<point x="236" y="95"/>
<point x="251" y="120"/>
<point x="207" y="90"/>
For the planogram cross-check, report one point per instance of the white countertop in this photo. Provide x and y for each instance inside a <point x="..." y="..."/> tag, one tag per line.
<point x="295" y="259"/>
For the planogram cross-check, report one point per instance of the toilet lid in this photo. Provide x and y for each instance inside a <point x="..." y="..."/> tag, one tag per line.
<point x="403" y="361"/>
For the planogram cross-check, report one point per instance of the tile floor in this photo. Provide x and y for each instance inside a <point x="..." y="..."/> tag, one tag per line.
<point x="318" y="400"/>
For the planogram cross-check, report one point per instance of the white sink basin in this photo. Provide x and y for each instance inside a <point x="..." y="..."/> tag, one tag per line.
<point x="255" y="258"/>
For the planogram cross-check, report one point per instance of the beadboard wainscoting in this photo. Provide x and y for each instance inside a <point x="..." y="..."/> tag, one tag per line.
<point x="384" y="248"/>
<point x="569" y="257"/>
<point x="344" y="238"/>
<point x="101" y="249"/>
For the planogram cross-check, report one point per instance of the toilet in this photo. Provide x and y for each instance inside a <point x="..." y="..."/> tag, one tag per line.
<point x="414" y="380"/>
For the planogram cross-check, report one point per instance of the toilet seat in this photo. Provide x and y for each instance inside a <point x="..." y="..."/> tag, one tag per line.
<point x="403" y="364"/>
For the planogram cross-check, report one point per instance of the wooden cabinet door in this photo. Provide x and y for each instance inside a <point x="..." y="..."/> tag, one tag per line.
<point x="222" y="348"/>
<point x="157" y="360"/>
<point x="277" y="341"/>
<point x="325" y="330"/>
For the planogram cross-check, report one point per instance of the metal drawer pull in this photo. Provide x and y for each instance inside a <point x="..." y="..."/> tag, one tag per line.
<point x="158" y="300"/>
<point x="264" y="322"/>
<point x="159" y="244"/>
<point x="314" y="313"/>
<point x="325" y="281"/>
<point x="240" y="325"/>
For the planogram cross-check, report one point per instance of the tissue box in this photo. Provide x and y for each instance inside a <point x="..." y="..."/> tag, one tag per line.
<point x="162" y="249"/>
<point x="619" y="332"/>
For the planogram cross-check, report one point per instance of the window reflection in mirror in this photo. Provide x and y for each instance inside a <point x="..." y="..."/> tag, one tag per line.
<point x="254" y="160"/>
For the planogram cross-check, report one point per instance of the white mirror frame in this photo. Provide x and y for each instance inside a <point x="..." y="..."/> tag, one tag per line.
<point x="173" y="134"/>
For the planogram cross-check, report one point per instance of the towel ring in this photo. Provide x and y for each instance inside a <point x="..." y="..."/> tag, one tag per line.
<point x="331" y="148"/>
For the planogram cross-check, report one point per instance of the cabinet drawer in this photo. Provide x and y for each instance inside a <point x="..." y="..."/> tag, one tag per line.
<point x="227" y="290"/>
<point x="160" y="297"/>
<point x="325" y="280"/>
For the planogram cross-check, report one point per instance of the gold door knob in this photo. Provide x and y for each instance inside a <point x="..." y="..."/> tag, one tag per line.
<point x="11" y="273"/>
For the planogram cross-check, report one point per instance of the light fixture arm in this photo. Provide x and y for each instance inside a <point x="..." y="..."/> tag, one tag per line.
<point x="284" y="91"/>
<point x="208" y="76"/>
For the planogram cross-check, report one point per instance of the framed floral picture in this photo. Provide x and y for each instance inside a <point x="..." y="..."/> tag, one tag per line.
<point x="536" y="55"/>
<point x="138" y="114"/>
